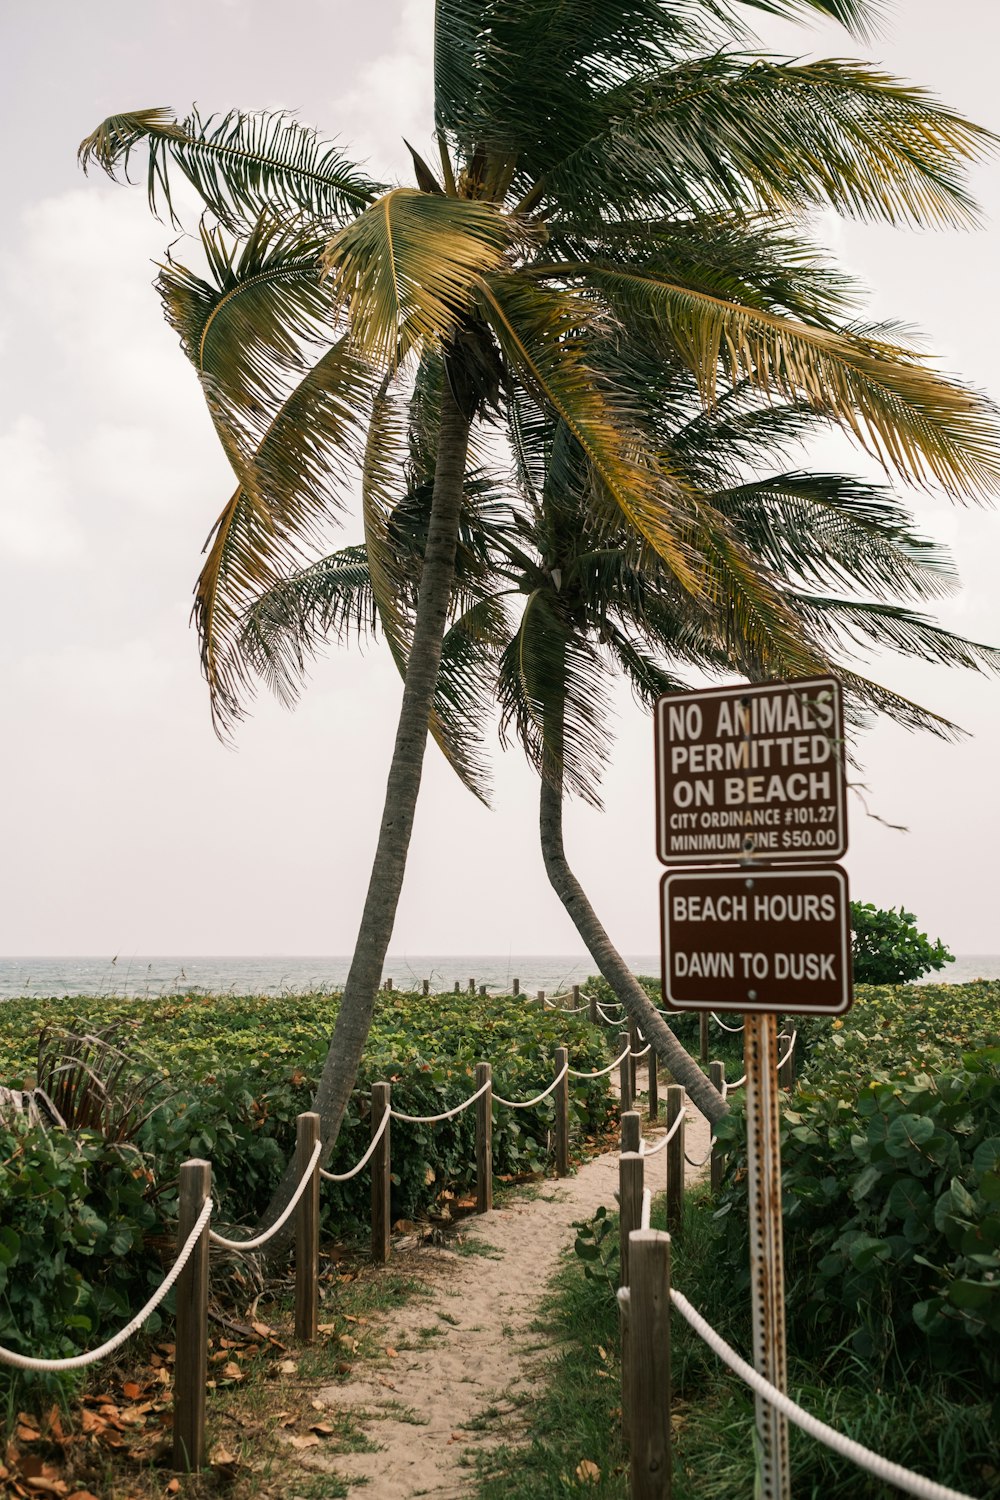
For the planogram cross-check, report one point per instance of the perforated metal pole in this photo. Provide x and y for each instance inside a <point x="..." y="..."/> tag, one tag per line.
<point x="767" y="1278"/>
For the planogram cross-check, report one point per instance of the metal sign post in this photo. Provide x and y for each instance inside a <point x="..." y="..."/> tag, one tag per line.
<point x="753" y="776"/>
<point x="767" y="1274"/>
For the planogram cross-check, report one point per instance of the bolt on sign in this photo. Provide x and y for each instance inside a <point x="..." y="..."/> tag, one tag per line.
<point x="757" y="940"/>
<point x="751" y="772"/>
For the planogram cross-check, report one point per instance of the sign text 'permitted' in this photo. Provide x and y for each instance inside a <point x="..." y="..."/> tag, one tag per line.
<point x="751" y="771"/>
<point x="757" y="940"/>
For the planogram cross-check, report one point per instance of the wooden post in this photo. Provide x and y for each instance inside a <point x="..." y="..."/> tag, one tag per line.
<point x="515" y="988"/>
<point x="388" y="983"/>
<point x="653" y="1085"/>
<point x="717" y="1073"/>
<point x="592" y="1009"/>
<point x="623" y="1328"/>
<point x="633" y="1045"/>
<point x="648" y="1357"/>
<point x="307" y="1232"/>
<point x="472" y="986"/>
<point x="562" y="1114"/>
<point x="631" y="1131"/>
<point x="576" y="997"/>
<point x="540" y="997"/>
<point x="381" y="1180"/>
<point x="786" y="1073"/>
<point x="458" y="988"/>
<point x="630" y="1173"/>
<point x="482" y="989"/>
<point x="625" y="1071"/>
<point x="427" y="986"/>
<point x="675" y="1159"/>
<point x="703" y="1038"/>
<point x="484" y="1140"/>
<point x="191" y="1327"/>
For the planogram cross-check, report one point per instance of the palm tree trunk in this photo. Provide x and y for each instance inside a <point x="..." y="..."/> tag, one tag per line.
<point x="378" y="917"/>
<point x="600" y="947"/>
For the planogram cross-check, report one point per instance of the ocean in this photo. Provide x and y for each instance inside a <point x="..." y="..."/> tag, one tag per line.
<point x="145" y="976"/>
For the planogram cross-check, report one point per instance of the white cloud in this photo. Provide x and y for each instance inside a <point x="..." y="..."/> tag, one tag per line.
<point x="36" y="523"/>
<point x="393" y="92"/>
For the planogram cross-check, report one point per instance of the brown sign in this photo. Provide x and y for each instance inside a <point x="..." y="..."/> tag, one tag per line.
<point x="754" y="771"/>
<point x="757" y="940"/>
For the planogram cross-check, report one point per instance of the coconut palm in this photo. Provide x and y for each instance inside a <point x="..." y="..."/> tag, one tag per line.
<point x="579" y="148"/>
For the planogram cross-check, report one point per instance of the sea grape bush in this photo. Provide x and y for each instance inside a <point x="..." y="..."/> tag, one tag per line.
<point x="238" y="1070"/>
<point x="888" y="948"/>
<point x="891" y="1178"/>
<point x="75" y="1214"/>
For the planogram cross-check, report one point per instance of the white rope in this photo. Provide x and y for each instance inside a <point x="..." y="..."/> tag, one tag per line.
<point x="573" y="1010"/>
<point x="652" y="1150"/>
<point x="611" y="1020"/>
<point x="449" y="1114"/>
<point x="645" y="1049"/>
<point x="647" y="1208"/>
<point x="705" y="1158"/>
<point x="727" y="1087"/>
<point x="359" y="1166"/>
<point x="527" y="1103"/>
<point x="602" y="1072"/>
<point x="269" y="1233"/>
<point x="791" y="1049"/>
<point x="77" y="1361"/>
<point x="882" y="1468"/>
<point x="723" y="1024"/>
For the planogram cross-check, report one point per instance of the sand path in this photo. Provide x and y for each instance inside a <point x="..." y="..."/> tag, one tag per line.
<point x="469" y="1346"/>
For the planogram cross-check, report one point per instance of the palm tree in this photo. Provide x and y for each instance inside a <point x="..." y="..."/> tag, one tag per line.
<point x="580" y="147"/>
<point x="594" y="601"/>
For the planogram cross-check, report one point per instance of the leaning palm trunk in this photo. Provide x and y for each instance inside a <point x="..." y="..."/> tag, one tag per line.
<point x="600" y="947"/>
<point x="358" y="1003"/>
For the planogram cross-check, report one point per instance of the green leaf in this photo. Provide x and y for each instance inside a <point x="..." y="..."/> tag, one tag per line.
<point x="973" y="1294"/>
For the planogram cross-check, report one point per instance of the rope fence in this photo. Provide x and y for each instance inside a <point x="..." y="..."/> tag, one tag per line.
<point x="280" y="1221"/>
<point x="190" y="1267"/>
<point x="91" y="1357"/>
<point x="644" y="1298"/>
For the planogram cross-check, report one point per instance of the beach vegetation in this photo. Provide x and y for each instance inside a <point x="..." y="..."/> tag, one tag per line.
<point x="87" y="1222"/>
<point x="887" y="947"/>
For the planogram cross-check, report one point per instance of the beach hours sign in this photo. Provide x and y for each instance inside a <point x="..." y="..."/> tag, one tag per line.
<point x="757" y="940"/>
<point x="751" y="772"/>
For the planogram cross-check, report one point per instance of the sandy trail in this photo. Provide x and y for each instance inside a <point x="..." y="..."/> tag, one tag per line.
<point x="479" y="1347"/>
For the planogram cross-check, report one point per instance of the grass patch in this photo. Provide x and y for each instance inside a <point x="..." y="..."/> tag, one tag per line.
<point x="574" y="1418"/>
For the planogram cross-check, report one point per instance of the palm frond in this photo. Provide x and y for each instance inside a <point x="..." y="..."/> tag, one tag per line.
<point x="893" y="627"/>
<point x="871" y="697"/>
<point x="838" y="531"/>
<point x="405" y="268"/>
<point x="275" y="513"/>
<point x="465" y="696"/>
<point x="548" y="672"/>
<point x="862" y="17"/>
<point x="240" y="165"/>
<point x="729" y="132"/>
<point x="544" y="337"/>
<point x="921" y="424"/>
<point x="291" y="621"/>
<point x="758" y="262"/>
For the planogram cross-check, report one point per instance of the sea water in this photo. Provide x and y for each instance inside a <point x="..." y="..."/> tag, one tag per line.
<point x="142" y="975"/>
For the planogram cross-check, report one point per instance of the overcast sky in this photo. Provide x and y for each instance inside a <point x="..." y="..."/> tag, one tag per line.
<point x="126" y="827"/>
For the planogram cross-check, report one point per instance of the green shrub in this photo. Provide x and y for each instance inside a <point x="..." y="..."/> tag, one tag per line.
<point x="74" y="1216"/>
<point x="887" y="947"/>
<point x="891" y="1193"/>
<point x="236" y="1071"/>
